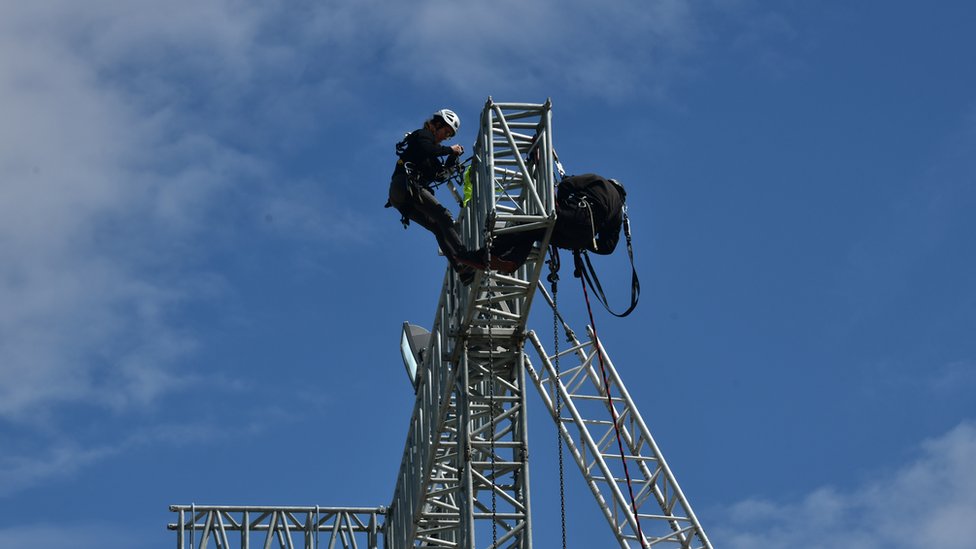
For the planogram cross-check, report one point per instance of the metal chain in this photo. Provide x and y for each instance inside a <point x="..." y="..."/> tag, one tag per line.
<point x="491" y="381"/>
<point x="554" y="280"/>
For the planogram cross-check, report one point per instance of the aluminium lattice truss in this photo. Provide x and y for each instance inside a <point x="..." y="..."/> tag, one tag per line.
<point x="463" y="479"/>
<point x="283" y="527"/>
<point x="578" y="394"/>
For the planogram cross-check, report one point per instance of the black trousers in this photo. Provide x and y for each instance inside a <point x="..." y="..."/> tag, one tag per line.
<point x="418" y="204"/>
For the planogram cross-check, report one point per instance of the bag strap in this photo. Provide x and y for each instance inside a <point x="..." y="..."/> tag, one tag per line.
<point x="589" y="274"/>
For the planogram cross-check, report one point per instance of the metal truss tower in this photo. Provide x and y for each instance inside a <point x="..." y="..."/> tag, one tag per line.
<point x="465" y="472"/>
<point x="464" y="476"/>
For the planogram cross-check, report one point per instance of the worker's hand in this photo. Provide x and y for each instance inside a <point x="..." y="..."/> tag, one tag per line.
<point x="458" y="149"/>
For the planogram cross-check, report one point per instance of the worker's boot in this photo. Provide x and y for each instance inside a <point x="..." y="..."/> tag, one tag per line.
<point x="503" y="265"/>
<point x="472" y="258"/>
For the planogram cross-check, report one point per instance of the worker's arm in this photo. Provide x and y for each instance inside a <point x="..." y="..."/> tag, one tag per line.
<point x="422" y="147"/>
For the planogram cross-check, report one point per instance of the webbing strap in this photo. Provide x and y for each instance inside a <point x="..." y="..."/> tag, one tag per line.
<point x="589" y="274"/>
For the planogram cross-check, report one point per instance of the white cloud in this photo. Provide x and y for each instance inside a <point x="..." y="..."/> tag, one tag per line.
<point x="127" y="123"/>
<point x="606" y="50"/>
<point x="124" y="122"/>
<point x="928" y="503"/>
<point x="63" y="457"/>
<point x="19" y="472"/>
<point x="100" y="193"/>
<point x="543" y="47"/>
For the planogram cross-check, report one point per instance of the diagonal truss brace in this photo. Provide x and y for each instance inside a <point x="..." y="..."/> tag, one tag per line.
<point x="666" y="517"/>
<point x="204" y="526"/>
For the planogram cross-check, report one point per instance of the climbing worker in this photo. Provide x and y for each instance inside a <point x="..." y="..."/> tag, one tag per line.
<point x="418" y="167"/>
<point x="589" y="214"/>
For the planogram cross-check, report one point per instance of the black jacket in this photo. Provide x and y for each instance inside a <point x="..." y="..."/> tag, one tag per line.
<point x="422" y="152"/>
<point x="606" y="201"/>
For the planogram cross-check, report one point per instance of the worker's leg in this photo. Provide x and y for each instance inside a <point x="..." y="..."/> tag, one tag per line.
<point x="430" y="214"/>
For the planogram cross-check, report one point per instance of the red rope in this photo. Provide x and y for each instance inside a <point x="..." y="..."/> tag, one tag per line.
<point x="613" y="413"/>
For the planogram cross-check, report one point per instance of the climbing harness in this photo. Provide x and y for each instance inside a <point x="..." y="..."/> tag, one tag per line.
<point x="452" y="174"/>
<point x="553" y="279"/>
<point x="452" y="171"/>
<point x="613" y="410"/>
<point x="588" y="274"/>
<point x="401" y="146"/>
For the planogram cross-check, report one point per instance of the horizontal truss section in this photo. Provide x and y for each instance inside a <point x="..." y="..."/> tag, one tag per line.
<point x="204" y="526"/>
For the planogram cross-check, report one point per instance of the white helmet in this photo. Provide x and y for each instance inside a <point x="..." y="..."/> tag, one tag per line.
<point x="448" y="116"/>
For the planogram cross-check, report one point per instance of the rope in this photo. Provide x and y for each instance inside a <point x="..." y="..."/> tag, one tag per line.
<point x="554" y="280"/>
<point x="613" y="413"/>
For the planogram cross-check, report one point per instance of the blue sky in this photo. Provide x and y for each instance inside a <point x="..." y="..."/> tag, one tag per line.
<point x="201" y="294"/>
